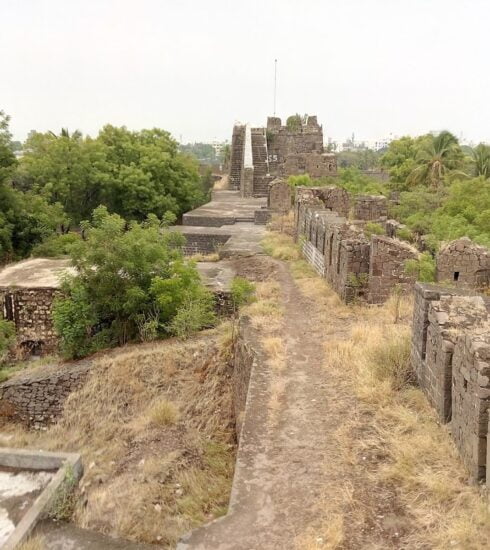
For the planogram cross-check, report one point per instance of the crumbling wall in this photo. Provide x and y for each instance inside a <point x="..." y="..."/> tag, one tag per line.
<point x="424" y="295"/>
<point x="464" y="263"/>
<point x="329" y="197"/>
<point x="370" y="207"/>
<point x="36" y="399"/>
<point x="31" y="311"/>
<point x="471" y="398"/>
<point x="387" y="268"/>
<point x="447" y="318"/>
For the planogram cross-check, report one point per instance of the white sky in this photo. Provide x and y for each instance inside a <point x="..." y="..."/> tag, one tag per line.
<point x="194" y="67"/>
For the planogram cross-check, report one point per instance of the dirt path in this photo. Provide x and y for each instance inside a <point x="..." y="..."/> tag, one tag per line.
<point x="282" y="483"/>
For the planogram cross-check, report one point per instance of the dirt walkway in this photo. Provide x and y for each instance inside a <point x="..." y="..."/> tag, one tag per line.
<point x="281" y="482"/>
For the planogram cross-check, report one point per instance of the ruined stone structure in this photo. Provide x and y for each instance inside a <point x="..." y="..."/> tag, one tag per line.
<point x="37" y="399"/>
<point x="258" y="155"/>
<point x="370" y="207"/>
<point x="27" y="292"/>
<point x="355" y="266"/>
<point x="387" y="267"/>
<point x="451" y="357"/>
<point x="465" y="264"/>
<point x="279" y="196"/>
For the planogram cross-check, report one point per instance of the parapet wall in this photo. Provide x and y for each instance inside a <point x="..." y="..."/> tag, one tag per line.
<point x="451" y="358"/>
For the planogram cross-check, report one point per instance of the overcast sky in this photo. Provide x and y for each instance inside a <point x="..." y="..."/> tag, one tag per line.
<point x="194" y="67"/>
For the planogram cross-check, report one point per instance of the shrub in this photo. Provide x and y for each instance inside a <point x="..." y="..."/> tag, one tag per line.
<point x="7" y="337"/>
<point x="164" y="413"/>
<point x="405" y="234"/>
<point x="55" y="245"/>
<point x="424" y="269"/>
<point x="390" y="360"/>
<point x="131" y="283"/>
<point x="372" y="228"/>
<point x="242" y="292"/>
<point x="195" y="313"/>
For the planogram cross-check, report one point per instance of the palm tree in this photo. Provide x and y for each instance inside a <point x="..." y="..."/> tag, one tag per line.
<point x="481" y="160"/>
<point x="436" y="157"/>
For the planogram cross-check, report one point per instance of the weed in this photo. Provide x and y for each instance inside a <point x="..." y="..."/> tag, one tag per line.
<point x="164" y="413"/>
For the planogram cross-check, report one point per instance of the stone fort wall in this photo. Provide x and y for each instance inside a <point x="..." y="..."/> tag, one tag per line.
<point x="354" y="266"/>
<point x="450" y="355"/>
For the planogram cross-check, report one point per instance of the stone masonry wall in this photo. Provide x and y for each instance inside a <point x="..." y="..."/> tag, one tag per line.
<point x="279" y="196"/>
<point x="424" y="295"/>
<point x="31" y="311"/>
<point x="464" y="263"/>
<point x="203" y="243"/>
<point x="471" y="398"/>
<point x="370" y="207"/>
<point x="37" y="399"/>
<point x="387" y="267"/>
<point x="248" y="357"/>
<point x="447" y="318"/>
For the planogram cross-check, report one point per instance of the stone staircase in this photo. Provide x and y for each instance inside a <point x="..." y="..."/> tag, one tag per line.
<point x="261" y="165"/>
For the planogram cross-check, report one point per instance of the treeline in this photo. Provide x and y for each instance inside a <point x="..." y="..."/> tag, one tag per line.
<point x="61" y="178"/>
<point x="441" y="190"/>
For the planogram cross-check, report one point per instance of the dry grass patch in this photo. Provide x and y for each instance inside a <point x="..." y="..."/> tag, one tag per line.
<point x="205" y="257"/>
<point x="33" y="543"/>
<point x="154" y="425"/>
<point x="280" y="246"/>
<point x="164" y="413"/>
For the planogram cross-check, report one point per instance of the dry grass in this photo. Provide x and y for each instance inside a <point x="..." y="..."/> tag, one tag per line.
<point x="222" y="183"/>
<point x="205" y="257"/>
<point x="154" y="426"/>
<point x="164" y="413"/>
<point x="280" y="246"/>
<point x="33" y="543"/>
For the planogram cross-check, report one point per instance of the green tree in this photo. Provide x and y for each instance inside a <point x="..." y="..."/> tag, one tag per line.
<point x="434" y="159"/>
<point x="131" y="282"/>
<point x="480" y="157"/>
<point x="400" y="159"/>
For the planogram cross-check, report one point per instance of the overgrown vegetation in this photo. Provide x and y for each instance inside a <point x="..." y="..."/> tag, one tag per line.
<point x="132" y="283"/>
<point x="7" y="338"/>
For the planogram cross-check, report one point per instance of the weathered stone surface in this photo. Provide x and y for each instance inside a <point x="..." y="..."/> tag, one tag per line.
<point x="471" y="398"/>
<point x="370" y="207"/>
<point x="387" y="267"/>
<point x="464" y="263"/>
<point x="279" y="197"/>
<point x="37" y="398"/>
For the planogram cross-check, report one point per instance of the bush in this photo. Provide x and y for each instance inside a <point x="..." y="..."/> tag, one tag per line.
<point x="373" y="228"/>
<point x="7" y="337"/>
<point x="405" y="234"/>
<point x="424" y="269"/>
<point x="195" y="313"/>
<point x="242" y="292"/>
<point x="390" y="360"/>
<point x="131" y="283"/>
<point x="55" y="245"/>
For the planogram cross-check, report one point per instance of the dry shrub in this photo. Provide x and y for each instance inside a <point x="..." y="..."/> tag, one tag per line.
<point x="164" y="413"/>
<point x="33" y="543"/>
